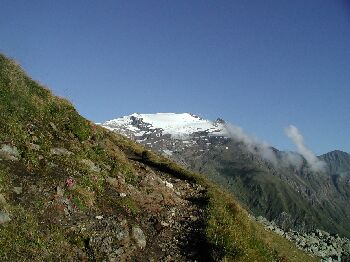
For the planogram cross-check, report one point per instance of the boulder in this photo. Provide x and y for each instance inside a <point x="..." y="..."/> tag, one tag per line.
<point x="4" y="217"/>
<point x="9" y="152"/>
<point x="139" y="237"/>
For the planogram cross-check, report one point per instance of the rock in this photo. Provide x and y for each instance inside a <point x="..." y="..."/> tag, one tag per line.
<point x="122" y="195"/>
<point x="318" y="233"/>
<point x="2" y="199"/>
<point x="34" y="147"/>
<point x="346" y="247"/>
<point x="9" y="152"/>
<point x="139" y="237"/>
<point x="279" y="231"/>
<point x="169" y="185"/>
<point x="4" y="217"/>
<point x="99" y="217"/>
<point x="91" y="165"/>
<point x="107" y="167"/>
<point x="270" y="227"/>
<point x="122" y="232"/>
<point x="319" y="243"/>
<point x="164" y="224"/>
<point x="312" y="240"/>
<point x="119" y="251"/>
<point x="59" y="191"/>
<point x="112" y="181"/>
<point x="53" y="126"/>
<point x="18" y="190"/>
<point x="59" y="151"/>
<point x="193" y="218"/>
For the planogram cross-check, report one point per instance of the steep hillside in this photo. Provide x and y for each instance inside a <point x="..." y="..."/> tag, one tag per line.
<point x="73" y="191"/>
<point x="280" y="186"/>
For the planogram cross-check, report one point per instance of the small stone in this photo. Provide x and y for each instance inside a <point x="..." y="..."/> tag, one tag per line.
<point x="9" y="152"/>
<point x="119" y="251"/>
<point x="18" y="190"/>
<point x="139" y="237"/>
<point x="60" y="151"/>
<point x="2" y="199"/>
<point x="4" y="217"/>
<point x="122" y="195"/>
<point x="112" y="181"/>
<point x="122" y="232"/>
<point x="53" y="126"/>
<point x="107" y="167"/>
<point x="59" y="191"/>
<point x="200" y="188"/>
<point x="164" y="224"/>
<point x="91" y="165"/>
<point x="34" y="147"/>
<point x="99" y="217"/>
<point x="193" y="218"/>
<point x="169" y="185"/>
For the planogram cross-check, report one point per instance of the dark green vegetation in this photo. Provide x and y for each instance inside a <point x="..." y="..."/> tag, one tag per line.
<point x="60" y="175"/>
<point x="297" y="198"/>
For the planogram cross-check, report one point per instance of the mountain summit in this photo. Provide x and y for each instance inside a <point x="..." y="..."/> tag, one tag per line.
<point x="179" y="126"/>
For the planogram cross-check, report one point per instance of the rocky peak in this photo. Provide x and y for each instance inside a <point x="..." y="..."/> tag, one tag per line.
<point x="220" y="121"/>
<point x="338" y="162"/>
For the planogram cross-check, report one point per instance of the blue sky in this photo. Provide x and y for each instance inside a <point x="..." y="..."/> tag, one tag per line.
<point x="261" y="65"/>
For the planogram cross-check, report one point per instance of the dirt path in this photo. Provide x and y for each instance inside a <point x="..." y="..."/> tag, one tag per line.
<point x="176" y="232"/>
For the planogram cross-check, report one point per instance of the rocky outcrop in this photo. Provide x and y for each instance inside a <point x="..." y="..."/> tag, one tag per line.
<point x="320" y="243"/>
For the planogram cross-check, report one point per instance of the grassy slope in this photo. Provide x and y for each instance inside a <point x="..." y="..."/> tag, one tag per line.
<point x="30" y="114"/>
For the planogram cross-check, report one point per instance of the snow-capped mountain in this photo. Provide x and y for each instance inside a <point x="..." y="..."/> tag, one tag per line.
<point x="178" y="126"/>
<point x="170" y="133"/>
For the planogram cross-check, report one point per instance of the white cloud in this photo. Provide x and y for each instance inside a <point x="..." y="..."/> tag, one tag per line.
<point x="283" y="159"/>
<point x="293" y="133"/>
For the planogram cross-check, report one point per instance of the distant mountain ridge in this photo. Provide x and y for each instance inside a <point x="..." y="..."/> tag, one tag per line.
<point x="338" y="162"/>
<point x="292" y="195"/>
